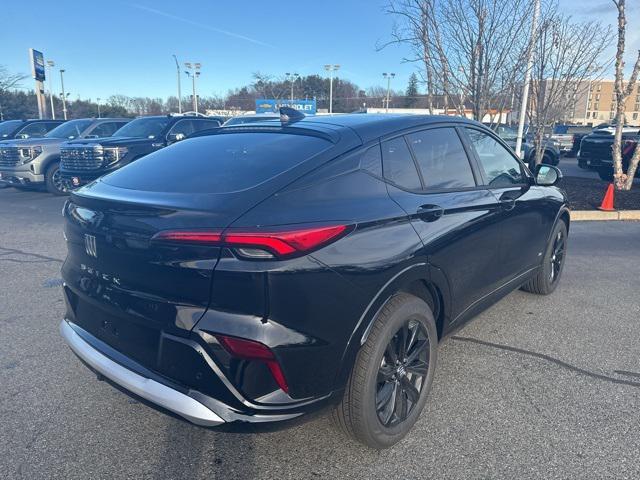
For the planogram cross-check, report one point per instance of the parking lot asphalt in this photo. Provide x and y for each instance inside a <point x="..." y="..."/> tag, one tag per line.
<point x="535" y="387"/>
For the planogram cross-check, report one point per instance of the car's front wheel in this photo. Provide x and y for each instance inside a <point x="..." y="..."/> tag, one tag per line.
<point x="392" y="376"/>
<point x="548" y="276"/>
<point x="53" y="180"/>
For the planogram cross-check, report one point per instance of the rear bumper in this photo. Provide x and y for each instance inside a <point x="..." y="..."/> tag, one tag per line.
<point x="147" y="388"/>
<point x="193" y="405"/>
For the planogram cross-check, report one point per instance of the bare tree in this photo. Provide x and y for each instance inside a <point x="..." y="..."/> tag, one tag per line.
<point x="472" y="50"/>
<point x="9" y="80"/>
<point x="566" y="55"/>
<point x="622" y="180"/>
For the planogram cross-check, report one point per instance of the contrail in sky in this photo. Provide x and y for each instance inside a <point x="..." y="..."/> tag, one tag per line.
<point x="201" y="25"/>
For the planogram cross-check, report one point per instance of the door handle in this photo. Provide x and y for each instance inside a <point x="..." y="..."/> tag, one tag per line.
<point x="430" y="213"/>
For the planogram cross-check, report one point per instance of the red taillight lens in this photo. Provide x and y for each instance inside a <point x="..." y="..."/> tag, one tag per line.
<point x="251" y="350"/>
<point x="280" y="242"/>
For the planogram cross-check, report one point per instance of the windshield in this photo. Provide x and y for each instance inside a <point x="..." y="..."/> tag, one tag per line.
<point x="217" y="163"/>
<point x="7" y="128"/>
<point x="149" y="127"/>
<point x="243" y="120"/>
<point x="72" y="129"/>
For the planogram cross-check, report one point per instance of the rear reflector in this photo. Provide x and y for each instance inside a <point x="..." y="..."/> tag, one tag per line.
<point x="251" y="350"/>
<point x="279" y="242"/>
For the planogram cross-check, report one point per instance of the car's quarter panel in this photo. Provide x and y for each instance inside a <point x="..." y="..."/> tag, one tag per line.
<point x="315" y="303"/>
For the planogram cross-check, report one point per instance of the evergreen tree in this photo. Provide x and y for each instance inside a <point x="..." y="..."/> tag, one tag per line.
<point x="412" y="92"/>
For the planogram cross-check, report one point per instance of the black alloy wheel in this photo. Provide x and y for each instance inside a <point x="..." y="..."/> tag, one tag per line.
<point x="557" y="256"/>
<point x="402" y="373"/>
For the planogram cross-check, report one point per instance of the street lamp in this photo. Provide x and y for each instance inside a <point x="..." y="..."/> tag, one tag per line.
<point x="331" y="68"/>
<point x="51" y="64"/>
<point x="64" y="97"/>
<point x="99" y="106"/>
<point x="179" y="88"/>
<point x="193" y="72"/>
<point x="388" y="76"/>
<point x="292" y="77"/>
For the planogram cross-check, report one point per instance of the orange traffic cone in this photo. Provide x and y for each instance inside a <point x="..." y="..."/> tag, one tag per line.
<point x="607" y="201"/>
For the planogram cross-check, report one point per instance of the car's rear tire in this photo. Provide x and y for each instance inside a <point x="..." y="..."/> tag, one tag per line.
<point x="53" y="180"/>
<point x="384" y="397"/>
<point x="549" y="273"/>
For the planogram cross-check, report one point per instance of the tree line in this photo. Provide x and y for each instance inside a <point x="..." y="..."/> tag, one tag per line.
<point x="17" y="102"/>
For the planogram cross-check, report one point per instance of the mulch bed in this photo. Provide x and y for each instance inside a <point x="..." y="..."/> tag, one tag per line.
<point x="587" y="194"/>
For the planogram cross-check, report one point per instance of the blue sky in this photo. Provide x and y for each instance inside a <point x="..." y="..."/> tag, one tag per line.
<point x="110" y="47"/>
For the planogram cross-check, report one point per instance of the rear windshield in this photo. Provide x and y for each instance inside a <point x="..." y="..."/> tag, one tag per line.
<point x="218" y="163"/>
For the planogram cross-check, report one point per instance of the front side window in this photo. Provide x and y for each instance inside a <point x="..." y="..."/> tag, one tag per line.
<point x="150" y="127"/>
<point x="183" y="127"/>
<point x="500" y="168"/>
<point x="442" y="159"/>
<point x="398" y="165"/>
<point x="106" y="129"/>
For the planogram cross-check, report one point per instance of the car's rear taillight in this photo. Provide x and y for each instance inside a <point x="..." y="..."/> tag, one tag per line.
<point x="251" y="350"/>
<point x="263" y="242"/>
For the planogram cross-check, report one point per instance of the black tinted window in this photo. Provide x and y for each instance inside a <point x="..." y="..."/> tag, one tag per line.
<point x="371" y="160"/>
<point x="199" y="125"/>
<point x="217" y="163"/>
<point x="34" y="130"/>
<point x="398" y="164"/>
<point x="106" y="129"/>
<point x="500" y="168"/>
<point x="441" y="158"/>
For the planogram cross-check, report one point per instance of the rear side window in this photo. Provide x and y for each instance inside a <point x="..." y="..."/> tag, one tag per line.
<point x="442" y="159"/>
<point x="199" y="125"/>
<point x="398" y="165"/>
<point x="500" y="168"/>
<point x="218" y="163"/>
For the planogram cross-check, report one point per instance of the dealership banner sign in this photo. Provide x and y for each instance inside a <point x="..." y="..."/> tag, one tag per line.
<point x="308" y="107"/>
<point x="37" y="64"/>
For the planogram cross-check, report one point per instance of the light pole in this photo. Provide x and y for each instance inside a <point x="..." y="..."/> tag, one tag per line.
<point x="51" y="64"/>
<point x="193" y="72"/>
<point x="292" y="77"/>
<point x="388" y="76"/>
<point x="527" y="78"/>
<point x="99" y="107"/>
<point x="179" y="87"/>
<point x="331" y="68"/>
<point x="64" y="98"/>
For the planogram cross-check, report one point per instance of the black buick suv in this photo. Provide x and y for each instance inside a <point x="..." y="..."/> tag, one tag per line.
<point x="262" y="272"/>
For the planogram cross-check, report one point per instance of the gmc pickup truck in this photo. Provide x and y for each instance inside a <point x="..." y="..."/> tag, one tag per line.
<point x="84" y="160"/>
<point x="36" y="161"/>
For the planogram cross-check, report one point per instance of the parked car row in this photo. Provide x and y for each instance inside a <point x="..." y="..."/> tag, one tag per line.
<point x="596" y="153"/>
<point x="66" y="155"/>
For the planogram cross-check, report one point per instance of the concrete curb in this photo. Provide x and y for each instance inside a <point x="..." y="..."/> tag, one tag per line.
<point x="593" y="215"/>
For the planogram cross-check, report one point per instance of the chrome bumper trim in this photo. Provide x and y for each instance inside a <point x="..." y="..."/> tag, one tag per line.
<point x="146" y="388"/>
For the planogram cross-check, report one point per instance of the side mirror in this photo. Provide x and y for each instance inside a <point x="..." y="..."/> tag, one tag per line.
<point x="547" y="175"/>
<point x="175" y="137"/>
